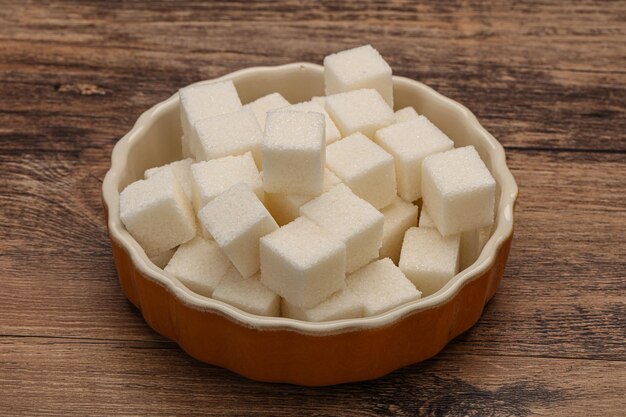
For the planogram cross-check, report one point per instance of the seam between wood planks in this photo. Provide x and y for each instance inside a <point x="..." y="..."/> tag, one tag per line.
<point x="168" y="344"/>
<point x="84" y="339"/>
<point x="568" y="150"/>
<point x="129" y="47"/>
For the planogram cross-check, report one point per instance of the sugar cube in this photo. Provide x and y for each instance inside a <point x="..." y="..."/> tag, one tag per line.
<point x="484" y="234"/>
<point x="399" y="216"/>
<point x="362" y="111"/>
<point x="482" y="237"/>
<point x="294" y="152"/>
<point x="247" y="294"/>
<point x="262" y="105"/>
<point x="286" y="207"/>
<point x="198" y="102"/>
<point x="364" y="167"/>
<point x="199" y="264"/>
<point x="157" y="213"/>
<point x="428" y="259"/>
<point x="321" y="100"/>
<point x="331" y="133"/>
<point x="381" y="286"/>
<point x="302" y="263"/>
<point x="468" y="249"/>
<point x="228" y="134"/>
<point x="409" y="143"/>
<point x="406" y="113"/>
<point x="341" y="305"/>
<point x="356" y="68"/>
<point x="353" y="220"/>
<point x="425" y="219"/>
<point x="459" y="190"/>
<point x="161" y="259"/>
<point x="211" y="178"/>
<point x="182" y="172"/>
<point x="236" y="219"/>
<point x="472" y="241"/>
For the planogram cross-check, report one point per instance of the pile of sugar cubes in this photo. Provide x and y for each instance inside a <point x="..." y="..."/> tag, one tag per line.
<point x="310" y="210"/>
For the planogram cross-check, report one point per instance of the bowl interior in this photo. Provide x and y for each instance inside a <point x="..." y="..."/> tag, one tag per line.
<point x="155" y="140"/>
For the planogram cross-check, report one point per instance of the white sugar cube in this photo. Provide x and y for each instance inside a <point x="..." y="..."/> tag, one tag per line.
<point x="356" y="68"/>
<point x="199" y="264"/>
<point x="399" y="216"/>
<point x="157" y="213"/>
<point x="362" y="111"/>
<point x="472" y="241"/>
<point x="247" y="294"/>
<point x="236" y="219"/>
<point x="469" y="248"/>
<point x="428" y="259"/>
<point x="182" y="172"/>
<point x="483" y="235"/>
<point x="425" y="219"/>
<point x="228" y="134"/>
<point x="331" y="133"/>
<point x="286" y="207"/>
<point x="211" y="178"/>
<point x="459" y="190"/>
<point x="364" y="167"/>
<point x="339" y="306"/>
<point x="381" y="286"/>
<point x="294" y="153"/>
<point x="262" y="105"/>
<point x="161" y="259"/>
<point x="303" y="263"/>
<point x="410" y="142"/>
<point x="197" y="102"/>
<point x="405" y="114"/>
<point x="353" y="220"/>
<point x="321" y="100"/>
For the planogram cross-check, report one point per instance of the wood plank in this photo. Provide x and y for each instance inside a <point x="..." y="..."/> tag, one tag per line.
<point x="61" y="377"/>
<point x="569" y="91"/>
<point x="562" y="295"/>
<point x="548" y="81"/>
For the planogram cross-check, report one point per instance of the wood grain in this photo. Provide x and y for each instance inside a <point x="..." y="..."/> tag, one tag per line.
<point x="134" y="378"/>
<point x="549" y="81"/>
<point x="567" y="79"/>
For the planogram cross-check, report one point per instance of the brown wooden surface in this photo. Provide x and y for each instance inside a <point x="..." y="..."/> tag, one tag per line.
<point x="546" y="78"/>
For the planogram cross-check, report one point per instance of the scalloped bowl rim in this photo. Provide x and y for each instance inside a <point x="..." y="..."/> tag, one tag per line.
<point x="503" y="226"/>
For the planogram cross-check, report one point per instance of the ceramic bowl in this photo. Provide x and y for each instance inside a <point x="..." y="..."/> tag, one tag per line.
<point x="285" y="350"/>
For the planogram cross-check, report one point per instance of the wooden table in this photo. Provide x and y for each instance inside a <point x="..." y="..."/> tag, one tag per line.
<point x="547" y="79"/>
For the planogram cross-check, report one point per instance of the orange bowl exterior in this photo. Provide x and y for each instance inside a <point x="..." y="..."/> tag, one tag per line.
<point x="303" y="359"/>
